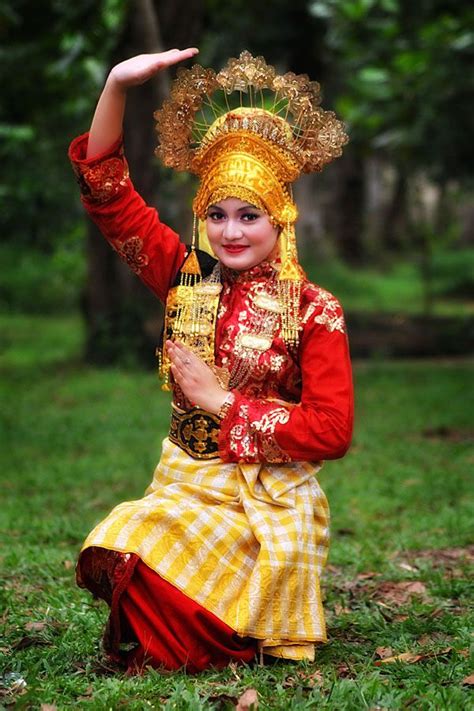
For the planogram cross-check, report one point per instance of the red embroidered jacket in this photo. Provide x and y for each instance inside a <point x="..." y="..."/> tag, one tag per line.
<point x="291" y="404"/>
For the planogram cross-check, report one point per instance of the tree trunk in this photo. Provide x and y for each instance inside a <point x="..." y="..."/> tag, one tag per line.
<point x="395" y="227"/>
<point x="122" y="317"/>
<point x="345" y="219"/>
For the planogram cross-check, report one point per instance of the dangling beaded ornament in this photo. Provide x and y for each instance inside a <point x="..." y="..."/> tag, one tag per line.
<point x="191" y="310"/>
<point x="190" y="277"/>
<point x="289" y="285"/>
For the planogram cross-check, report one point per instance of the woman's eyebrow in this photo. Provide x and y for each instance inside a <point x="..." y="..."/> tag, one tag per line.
<point x="240" y="209"/>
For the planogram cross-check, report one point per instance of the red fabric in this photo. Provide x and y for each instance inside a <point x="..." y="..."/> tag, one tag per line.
<point x="164" y="627"/>
<point x="174" y="631"/>
<point x="313" y="385"/>
<point x="152" y="249"/>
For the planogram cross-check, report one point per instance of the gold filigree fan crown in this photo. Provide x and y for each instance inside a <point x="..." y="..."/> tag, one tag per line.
<point x="247" y="118"/>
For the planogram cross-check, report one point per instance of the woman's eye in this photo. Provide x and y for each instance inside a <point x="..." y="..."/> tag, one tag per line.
<point x="250" y="217"/>
<point x="215" y="215"/>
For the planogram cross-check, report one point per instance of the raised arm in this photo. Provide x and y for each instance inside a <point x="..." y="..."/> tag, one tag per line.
<point x="149" y="247"/>
<point x="106" y="125"/>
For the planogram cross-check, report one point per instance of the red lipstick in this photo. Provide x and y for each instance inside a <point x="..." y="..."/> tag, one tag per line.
<point x="234" y="248"/>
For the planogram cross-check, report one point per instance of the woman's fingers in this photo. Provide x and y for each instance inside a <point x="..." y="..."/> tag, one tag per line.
<point x="139" y="69"/>
<point x="195" y="378"/>
<point x="181" y="356"/>
<point x="173" y="56"/>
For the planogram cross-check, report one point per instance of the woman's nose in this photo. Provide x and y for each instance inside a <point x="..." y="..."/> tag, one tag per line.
<point x="232" y="229"/>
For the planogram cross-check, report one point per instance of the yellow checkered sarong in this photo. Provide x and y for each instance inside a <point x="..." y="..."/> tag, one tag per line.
<point x="245" y="541"/>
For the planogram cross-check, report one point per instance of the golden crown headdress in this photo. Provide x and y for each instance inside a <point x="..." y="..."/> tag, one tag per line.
<point x="247" y="109"/>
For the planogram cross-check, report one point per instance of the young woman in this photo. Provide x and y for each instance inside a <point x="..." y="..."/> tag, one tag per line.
<point x="222" y="557"/>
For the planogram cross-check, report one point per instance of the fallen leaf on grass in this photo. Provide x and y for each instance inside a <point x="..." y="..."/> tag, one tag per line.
<point x="384" y="652"/>
<point x="28" y="641"/>
<point x="411" y="657"/>
<point x="248" y="701"/>
<point x="35" y="626"/>
<point x="400" y="618"/>
<point x="406" y="566"/>
<point x="341" y="610"/>
<point x="334" y="569"/>
<point x="307" y="681"/>
<point x="68" y="564"/>
<point x="468" y="680"/>
<point x="424" y="640"/>
<point x="442" y="557"/>
<point x="343" y="670"/>
<point x="400" y="593"/>
<point x="48" y="707"/>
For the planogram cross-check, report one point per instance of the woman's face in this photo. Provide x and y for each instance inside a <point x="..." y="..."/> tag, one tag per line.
<point x="240" y="234"/>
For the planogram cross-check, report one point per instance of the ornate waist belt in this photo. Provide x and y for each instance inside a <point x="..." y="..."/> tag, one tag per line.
<point x="196" y="432"/>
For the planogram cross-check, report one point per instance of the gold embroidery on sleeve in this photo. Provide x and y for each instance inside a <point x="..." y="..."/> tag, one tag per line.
<point x="246" y="437"/>
<point x="331" y="316"/>
<point x="271" y="450"/>
<point x="130" y="250"/>
<point x="104" y="180"/>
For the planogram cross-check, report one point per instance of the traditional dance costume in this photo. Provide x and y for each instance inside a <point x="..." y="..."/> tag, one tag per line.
<point x="223" y="555"/>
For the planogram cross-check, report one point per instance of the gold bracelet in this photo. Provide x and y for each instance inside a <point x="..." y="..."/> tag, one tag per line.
<point x="226" y="405"/>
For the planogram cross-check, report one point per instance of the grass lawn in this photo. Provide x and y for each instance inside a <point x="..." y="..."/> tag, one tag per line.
<point x="77" y="440"/>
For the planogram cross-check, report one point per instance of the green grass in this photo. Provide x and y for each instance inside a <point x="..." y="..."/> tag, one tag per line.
<point x="77" y="440"/>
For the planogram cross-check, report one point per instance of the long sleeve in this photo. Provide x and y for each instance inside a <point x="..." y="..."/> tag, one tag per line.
<point x="320" y="425"/>
<point x="150" y="248"/>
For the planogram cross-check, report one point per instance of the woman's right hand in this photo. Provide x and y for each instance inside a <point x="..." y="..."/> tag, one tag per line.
<point x="137" y="70"/>
<point x="106" y="125"/>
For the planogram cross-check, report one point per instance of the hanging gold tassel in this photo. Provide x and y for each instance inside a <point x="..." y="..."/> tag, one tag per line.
<point x="182" y="316"/>
<point x="289" y="286"/>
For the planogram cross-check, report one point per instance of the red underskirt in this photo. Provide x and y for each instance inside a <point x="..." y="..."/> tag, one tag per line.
<point x="163" y="627"/>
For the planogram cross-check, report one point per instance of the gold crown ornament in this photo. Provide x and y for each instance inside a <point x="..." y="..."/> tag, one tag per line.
<point x="247" y="132"/>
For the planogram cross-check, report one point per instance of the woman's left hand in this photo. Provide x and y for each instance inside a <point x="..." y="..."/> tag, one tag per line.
<point x="197" y="381"/>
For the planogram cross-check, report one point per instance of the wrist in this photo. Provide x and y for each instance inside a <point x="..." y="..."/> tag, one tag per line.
<point x="114" y="85"/>
<point x="226" y="404"/>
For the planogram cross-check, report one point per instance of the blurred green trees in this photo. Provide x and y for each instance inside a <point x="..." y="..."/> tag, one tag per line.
<point x="51" y="65"/>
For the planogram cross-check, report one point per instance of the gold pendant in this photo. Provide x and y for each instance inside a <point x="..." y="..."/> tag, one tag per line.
<point x="209" y="289"/>
<point x="268" y="303"/>
<point x="199" y="328"/>
<point x="255" y="341"/>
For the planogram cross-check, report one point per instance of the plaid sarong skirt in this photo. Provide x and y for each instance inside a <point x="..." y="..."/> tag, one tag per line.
<point x="246" y="541"/>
